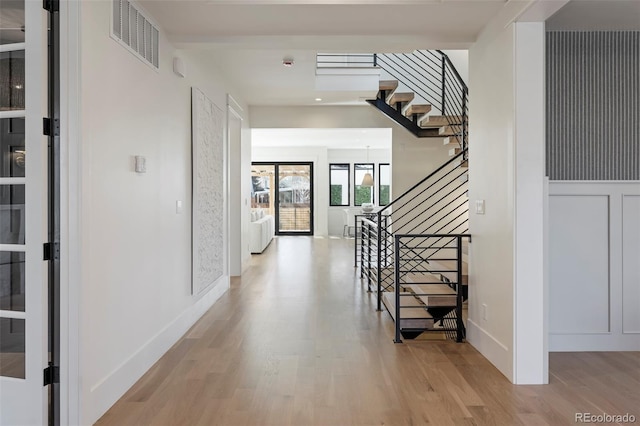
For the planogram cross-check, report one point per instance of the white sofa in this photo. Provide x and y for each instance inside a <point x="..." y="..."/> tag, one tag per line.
<point x="262" y="229"/>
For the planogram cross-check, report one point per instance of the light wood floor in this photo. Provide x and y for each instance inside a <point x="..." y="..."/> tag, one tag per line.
<point x="297" y="341"/>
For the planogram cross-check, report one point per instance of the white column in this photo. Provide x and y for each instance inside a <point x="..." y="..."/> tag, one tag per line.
<point x="530" y="355"/>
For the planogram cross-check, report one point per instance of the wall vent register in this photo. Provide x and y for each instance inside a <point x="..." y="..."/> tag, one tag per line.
<point x="131" y="28"/>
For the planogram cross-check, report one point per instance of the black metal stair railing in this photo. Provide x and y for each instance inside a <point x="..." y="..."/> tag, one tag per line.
<point x="430" y="75"/>
<point x="436" y="208"/>
<point x="437" y="310"/>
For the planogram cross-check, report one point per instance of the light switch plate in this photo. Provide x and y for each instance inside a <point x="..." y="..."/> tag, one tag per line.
<point x="141" y="164"/>
<point x="179" y="207"/>
<point x="479" y="206"/>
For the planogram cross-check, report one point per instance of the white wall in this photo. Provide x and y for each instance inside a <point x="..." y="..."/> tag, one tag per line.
<point x="245" y="183"/>
<point x="239" y="187"/>
<point x="491" y="153"/>
<point x="507" y="321"/>
<point x="236" y="197"/>
<point x="414" y="159"/>
<point x="135" y="256"/>
<point x="594" y="268"/>
<point x="460" y="60"/>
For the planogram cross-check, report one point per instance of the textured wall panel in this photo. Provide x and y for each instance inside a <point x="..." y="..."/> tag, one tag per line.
<point x="593" y="105"/>
<point x="208" y="192"/>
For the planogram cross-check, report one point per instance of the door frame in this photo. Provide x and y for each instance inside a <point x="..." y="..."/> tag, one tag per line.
<point x="276" y="206"/>
<point x="71" y="208"/>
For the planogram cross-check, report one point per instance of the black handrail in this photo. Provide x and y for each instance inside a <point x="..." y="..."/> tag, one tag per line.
<point x="429" y="176"/>
<point x="460" y="80"/>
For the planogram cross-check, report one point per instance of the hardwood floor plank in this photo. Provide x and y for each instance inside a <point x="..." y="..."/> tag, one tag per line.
<point x="297" y="341"/>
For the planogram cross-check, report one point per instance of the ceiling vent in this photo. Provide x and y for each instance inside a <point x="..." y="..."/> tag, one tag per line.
<point x="133" y="30"/>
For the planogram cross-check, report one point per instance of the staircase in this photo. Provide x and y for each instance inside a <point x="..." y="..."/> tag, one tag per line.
<point x="414" y="250"/>
<point x="413" y="254"/>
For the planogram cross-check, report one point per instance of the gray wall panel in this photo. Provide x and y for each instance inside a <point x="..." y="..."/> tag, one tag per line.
<point x="593" y="105"/>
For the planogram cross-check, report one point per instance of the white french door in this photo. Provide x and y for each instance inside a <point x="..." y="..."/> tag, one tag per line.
<point x="23" y="213"/>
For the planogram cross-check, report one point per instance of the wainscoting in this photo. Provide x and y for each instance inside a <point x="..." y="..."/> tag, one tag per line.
<point x="594" y="266"/>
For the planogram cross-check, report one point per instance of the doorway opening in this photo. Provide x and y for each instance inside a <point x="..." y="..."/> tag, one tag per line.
<point x="284" y="190"/>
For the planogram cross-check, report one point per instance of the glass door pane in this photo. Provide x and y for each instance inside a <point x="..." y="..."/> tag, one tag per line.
<point x="263" y="187"/>
<point x="295" y="197"/>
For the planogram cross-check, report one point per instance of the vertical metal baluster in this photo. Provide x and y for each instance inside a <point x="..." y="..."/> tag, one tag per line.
<point x="379" y="261"/>
<point x="459" y="324"/>
<point x="369" y="235"/>
<point x="444" y="89"/>
<point x="362" y="254"/>
<point x="397" y="289"/>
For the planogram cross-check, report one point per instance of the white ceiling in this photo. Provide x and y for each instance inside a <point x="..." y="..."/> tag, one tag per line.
<point x="243" y="23"/>
<point x="330" y="138"/>
<point x="246" y="40"/>
<point x="260" y="78"/>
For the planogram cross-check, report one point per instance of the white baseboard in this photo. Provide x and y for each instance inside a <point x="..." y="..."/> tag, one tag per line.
<point x="594" y="342"/>
<point x="107" y="391"/>
<point x="497" y="353"/>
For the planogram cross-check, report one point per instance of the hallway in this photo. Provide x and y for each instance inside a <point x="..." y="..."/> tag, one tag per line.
<point x="297" y="341"/>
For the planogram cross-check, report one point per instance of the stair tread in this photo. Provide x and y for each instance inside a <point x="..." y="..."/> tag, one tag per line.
<point x="450" y="265"/>
<point x="452" y="140"/>
<point x="401" y="97"/>
<point x="434" y="295"/>
<point x="414" y="315"/>
<point x="421" y="277"/>
<point x="450" y="130"/>
<point x="417" y="109"/>
<point x="438" y="289"/>
<point x="388" y="85"/>
<point x="440" y="120"/>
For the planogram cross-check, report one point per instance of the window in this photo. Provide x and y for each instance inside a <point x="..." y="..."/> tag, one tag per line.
<point x="339" y="184"/>
<point x="363" y="194"/>
<point x="384" y="181"/>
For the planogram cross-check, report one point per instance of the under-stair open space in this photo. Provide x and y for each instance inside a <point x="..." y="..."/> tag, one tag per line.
<point x="297" y="341"/>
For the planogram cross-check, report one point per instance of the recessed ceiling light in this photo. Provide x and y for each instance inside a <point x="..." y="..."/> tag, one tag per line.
<point x="318" y="99"/>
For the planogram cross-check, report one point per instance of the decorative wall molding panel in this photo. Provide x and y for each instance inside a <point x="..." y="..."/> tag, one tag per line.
<point x="594" y="267"/>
